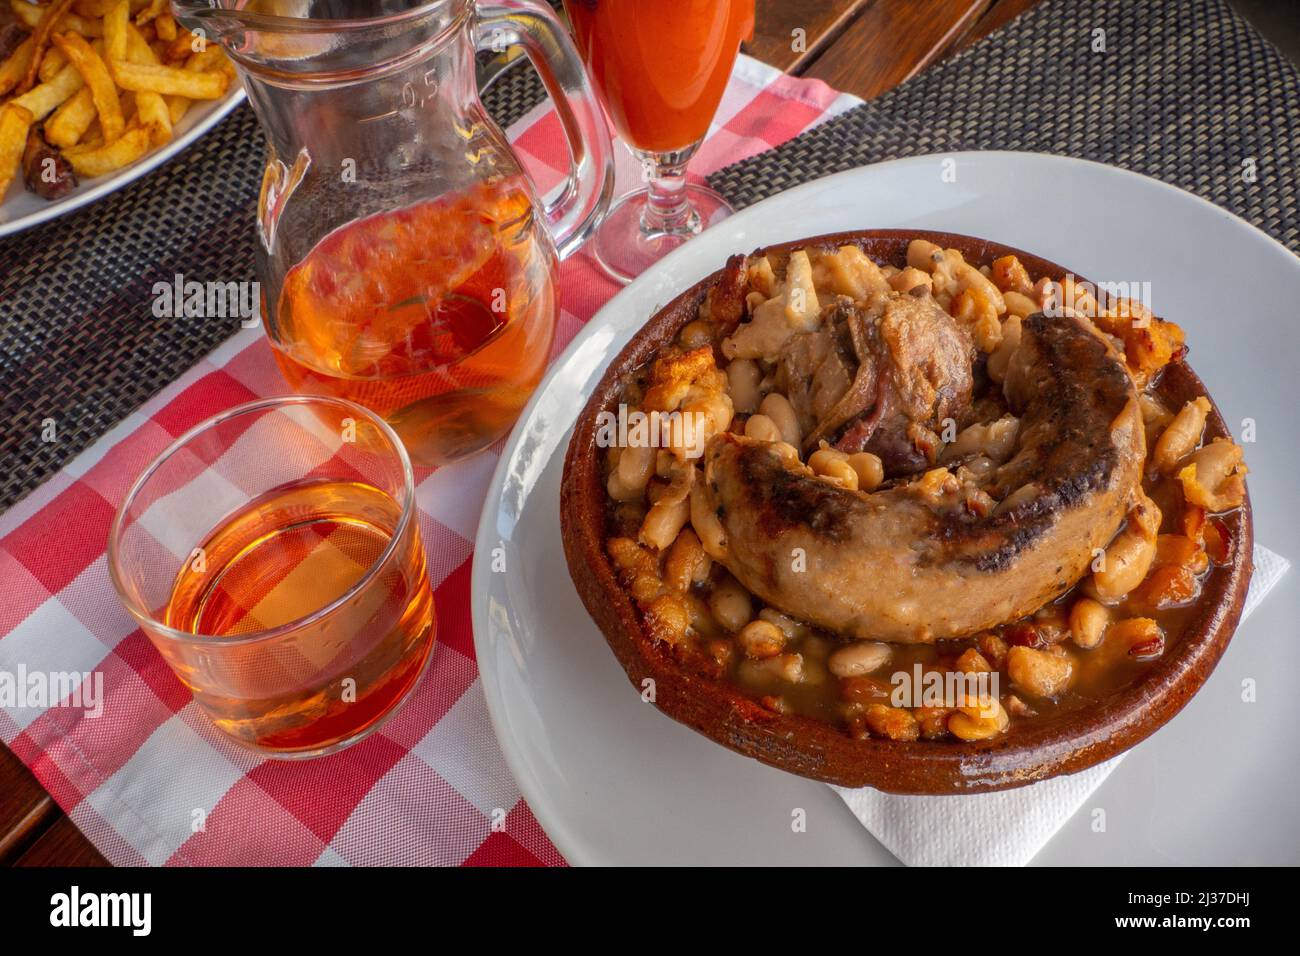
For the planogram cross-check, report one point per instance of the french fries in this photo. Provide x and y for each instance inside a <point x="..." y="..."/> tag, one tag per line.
<point x="151" y="11"/>
<point x="148" y="78"/>
<point x="123" y="43"/>
<point x="50" y="16"/>
<point x="207" y="59"/>
<point x="29" y="15"/>
<point x="96" y="160"/>
<point x="94" y="73"/>
<point x="115" y="21"/>
<point x="184" y="44"/>
<point x="51" y="63"/>
<point x="155" y="116"/>
<point x="166" y="27"/>
<point x="41" y="100"/>
<point x="14" y="69"/>
<point x="97" y="8"/>
<point x="71" y="120"/>
<point x="104" y="81"/>
<point x="14" y="123"/>
<point x="93" y="8"/>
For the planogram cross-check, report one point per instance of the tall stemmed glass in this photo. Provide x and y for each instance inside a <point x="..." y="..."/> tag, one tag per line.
<point x="660" y="67"/>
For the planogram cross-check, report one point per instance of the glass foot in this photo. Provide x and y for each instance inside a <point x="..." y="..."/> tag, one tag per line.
<point x="624" y="249"/>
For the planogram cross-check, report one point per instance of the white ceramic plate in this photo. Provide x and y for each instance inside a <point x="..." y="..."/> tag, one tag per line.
<point x="613" y="781"/>
<point x="21" y="208"/>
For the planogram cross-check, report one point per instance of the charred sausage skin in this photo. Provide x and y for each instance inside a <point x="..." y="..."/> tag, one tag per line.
<point x="889" y="566"/>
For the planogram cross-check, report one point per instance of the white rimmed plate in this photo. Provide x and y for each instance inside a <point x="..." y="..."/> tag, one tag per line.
<point x="21" y="208"/>
<point x="613" y="781"/>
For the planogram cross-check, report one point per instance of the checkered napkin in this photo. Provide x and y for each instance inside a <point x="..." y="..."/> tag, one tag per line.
<point x="149" y="781"/>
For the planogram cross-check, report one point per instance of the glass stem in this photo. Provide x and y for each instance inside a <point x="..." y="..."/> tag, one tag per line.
<point x="667" y="210"/>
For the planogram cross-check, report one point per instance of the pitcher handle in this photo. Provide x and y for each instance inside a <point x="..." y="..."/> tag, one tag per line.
<point x="574" y="214"/>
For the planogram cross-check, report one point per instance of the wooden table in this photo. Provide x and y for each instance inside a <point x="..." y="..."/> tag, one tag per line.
<point x="863" y="47"/>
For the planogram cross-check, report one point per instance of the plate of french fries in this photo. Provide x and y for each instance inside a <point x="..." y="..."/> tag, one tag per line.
<point x="94" y="94"/>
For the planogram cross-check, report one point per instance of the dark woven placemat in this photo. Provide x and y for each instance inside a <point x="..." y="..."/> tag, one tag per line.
<point x="80" y="347"/>
<point x="1184" y="90"/>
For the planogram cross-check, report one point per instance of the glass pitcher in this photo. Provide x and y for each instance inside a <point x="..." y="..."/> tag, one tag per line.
<point x="405" y="260"/>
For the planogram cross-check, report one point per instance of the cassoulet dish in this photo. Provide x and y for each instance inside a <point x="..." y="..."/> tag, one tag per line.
<point x="909" y="510"/>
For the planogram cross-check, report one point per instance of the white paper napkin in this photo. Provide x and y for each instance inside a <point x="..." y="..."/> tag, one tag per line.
<point x="1009" y="827"/>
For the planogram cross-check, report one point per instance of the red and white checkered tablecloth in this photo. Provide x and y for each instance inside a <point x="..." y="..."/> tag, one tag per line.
<point x="149" y="781"/>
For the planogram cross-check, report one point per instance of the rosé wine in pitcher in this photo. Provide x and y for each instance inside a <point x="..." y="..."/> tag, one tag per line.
<point x="438" y="316"/>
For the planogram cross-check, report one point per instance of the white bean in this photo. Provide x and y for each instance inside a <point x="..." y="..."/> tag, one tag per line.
<point x="1212" y="476"/>
<point x="801" y="305"/>
<point x="731" y="604"/>
<point x="706" y="523"/>
<point x="833" y="465"/>
<point x="1000" y="358"/>
<point x="1088" y="621"/>
<point x="1018" y="304"/>
<point x="762" y="428"/>
<point x="921" y="254"/>
<point x="909" y="278"/>
<point x="994" y="440"/>
<point x="663" y="522"/>
<point x="1180" y="437"/>
<point x="759" y="639"/>
<point x="970" y="723"/>
<point x="858" y="659"/>
<point x="778" y="408"/>
<point x="870" y="469"/>
<point x="1040" y="673"/>
<point x="1129" y="557"/>
<point x="968" y="277"/>
<point x="743" y="376"/>
<point x="635" y="466"/>
<point x="792" y="629"/>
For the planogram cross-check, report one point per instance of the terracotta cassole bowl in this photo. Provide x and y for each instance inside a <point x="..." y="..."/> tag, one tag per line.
<point x="1035" y="750"/>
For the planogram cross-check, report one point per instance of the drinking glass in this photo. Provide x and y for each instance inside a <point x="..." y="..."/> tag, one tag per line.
<point x="660" y="67"/>
<point x="272" y="554"/>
